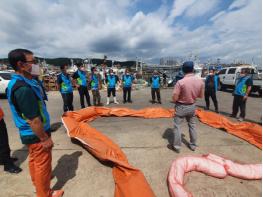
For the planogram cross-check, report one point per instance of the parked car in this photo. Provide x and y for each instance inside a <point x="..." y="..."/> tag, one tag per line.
<point x="5" y="77"/>
<point x="228" y="78"/>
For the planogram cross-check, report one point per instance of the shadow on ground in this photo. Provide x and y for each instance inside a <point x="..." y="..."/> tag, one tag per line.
<point x="21" y="154"/>
<point x="169" y="135"/>
<point x="55" y="126"/>
<point x="66" y="169"/>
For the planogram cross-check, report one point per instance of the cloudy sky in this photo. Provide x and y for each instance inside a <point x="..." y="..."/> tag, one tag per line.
<point x="125" y="29"/>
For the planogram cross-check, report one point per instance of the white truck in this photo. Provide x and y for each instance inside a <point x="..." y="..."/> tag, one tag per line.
<point x="228" y="78"/>
<point x="5" y="77"/>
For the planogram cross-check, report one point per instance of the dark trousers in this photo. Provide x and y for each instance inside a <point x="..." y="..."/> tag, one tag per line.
<point x="125" y="91"/>
<point x="157" y="92"/>
<point x="83" y="91"/>
<point x="4" y="145"/>
<point x="111" y="91"/>
<point x="96" y="97"/>
<point x="239" y="102"/>
<point x="211" y="93"/>
<point x="67" y="101"/>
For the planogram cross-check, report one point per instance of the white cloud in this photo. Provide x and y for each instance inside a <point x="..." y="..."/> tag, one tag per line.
<point x="201" y="7"/>
<point x="238" y="4"/>
<point x="179" y="7"/>
<point x="87" y="28"/>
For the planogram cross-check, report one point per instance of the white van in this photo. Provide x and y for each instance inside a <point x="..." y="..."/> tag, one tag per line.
<point x="228" y="78"/>
<point x="5" y="77"/>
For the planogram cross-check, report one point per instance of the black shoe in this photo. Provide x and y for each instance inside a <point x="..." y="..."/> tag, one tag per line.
<point x="192" y="148"/>
<point x="153" y="102"/>
<point x="12" y="168"/>
<point x="206" y="108"/>
<point x="232" y="116"/>
<point x="171" y="147"/>
<point x="130" y="101"/>
<point x="159" y="102"/>
<point x="123" y="102"/>
<point x="217" y="111"/>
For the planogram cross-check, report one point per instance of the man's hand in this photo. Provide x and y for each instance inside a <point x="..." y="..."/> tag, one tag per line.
<point x="47" y="144"/>
<point x="245" y="97"/>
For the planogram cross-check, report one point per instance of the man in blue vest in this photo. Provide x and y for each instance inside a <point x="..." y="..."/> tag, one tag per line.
<point x="211" y="87"/>
<point x="127" y="80"/>
<point x="241" y="92"/>
<point x="111" y="81"/>
<point x="65" y="88"/>
<point x="156" y="81"/>
<point x="95" y="83"/>
<point x="80" y="81"/>
<point x="32" y="119"/>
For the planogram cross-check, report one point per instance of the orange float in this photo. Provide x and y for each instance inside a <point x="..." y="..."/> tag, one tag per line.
<point x="130" y="181"/>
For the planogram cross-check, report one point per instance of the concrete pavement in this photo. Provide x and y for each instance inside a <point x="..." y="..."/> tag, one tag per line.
<point x="144" y="142"/>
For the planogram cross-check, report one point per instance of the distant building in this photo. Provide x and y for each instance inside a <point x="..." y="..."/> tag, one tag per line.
<point x="169" y="61"/>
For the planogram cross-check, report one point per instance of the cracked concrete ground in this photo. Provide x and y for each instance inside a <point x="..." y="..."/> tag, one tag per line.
<point x="144" y="141"/>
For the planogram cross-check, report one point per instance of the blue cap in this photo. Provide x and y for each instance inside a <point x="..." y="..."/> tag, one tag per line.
<point x="188" y="67"/>
<point x="211" y="68"/>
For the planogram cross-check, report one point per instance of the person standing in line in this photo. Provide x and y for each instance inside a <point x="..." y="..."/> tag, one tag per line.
<point x="95" y="83"/>
<point x="127" y="80"/>
<point x="185" y="93"/>
<point x="155" y="81"/>
<point x="32" y="119"/>
<point x="80" y="81"/>
<point x="241" y="92"/>
<point x="65" y="88"/>
<point x="111" y="81"/>
<point x="211" y="87"/>
<point x="5" y="158"/>
<point x="164" y="79"/>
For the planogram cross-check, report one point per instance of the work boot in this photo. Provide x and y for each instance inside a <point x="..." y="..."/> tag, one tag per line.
<point x="115" y="100"/>
<point x="232" y="115"/>
<point x="12" y="168"/>
<point x="108" y="101"/>
<point x="240" y="119"/>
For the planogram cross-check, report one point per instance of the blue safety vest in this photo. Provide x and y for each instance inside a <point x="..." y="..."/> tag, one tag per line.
<point x="215" y="81"/>
<point x="111" y="81"/>
<point x="82" y="80"/>
<point x="94" y="82"/>
<point x="155" y="82"/>
<point x="66" y="86"/>
<point x="127" y="81"/>
<point x="241" y="87"/>
<point x="21" y="123"/>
